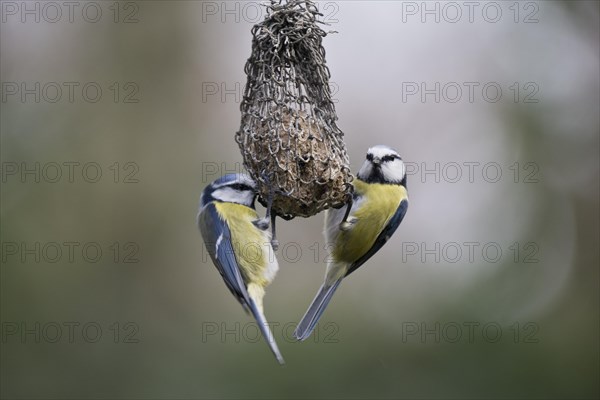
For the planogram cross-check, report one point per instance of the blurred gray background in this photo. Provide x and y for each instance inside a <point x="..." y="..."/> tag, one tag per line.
<point x="489" y="288"/>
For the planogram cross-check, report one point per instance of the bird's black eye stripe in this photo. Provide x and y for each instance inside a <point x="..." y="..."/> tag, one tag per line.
<point x="369" y="156"/>
<point x="240" y="187"/>
<point x="390" y="157"/>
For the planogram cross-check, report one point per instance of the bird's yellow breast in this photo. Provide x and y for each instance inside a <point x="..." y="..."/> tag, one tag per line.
<point x="378" y="206"/>
<point x="250" y="245"/>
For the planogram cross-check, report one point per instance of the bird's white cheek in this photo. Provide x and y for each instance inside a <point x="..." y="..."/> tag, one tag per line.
<point x="228" y="195"/>
<point x="393" y="172"/>
<point x="366" y="169"/>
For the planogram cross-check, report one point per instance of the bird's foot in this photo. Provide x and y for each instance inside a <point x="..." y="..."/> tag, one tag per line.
<point x="275" y="244"/>
<point x="261" y="223"/>
<point x="348" y="224"/>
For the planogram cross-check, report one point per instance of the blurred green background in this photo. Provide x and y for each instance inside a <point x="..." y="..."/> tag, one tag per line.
<point x="432" y="315"/>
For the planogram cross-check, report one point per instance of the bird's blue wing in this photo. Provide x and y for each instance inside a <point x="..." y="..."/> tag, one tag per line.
<point x="383" y="237"/>
<point x="217" y="238"/>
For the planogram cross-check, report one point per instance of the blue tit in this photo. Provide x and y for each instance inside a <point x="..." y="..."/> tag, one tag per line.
<point x="240" y="250"/>
<point x="355" y="233"/>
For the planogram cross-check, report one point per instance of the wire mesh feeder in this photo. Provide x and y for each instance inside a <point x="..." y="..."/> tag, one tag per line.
<point x="288" y="136"/>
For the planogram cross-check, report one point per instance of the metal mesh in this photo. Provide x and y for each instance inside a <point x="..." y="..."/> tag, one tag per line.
<point x="288" y="136"/>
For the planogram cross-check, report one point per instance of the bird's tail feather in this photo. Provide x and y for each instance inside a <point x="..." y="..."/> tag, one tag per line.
<point x="266" y="331"/>
<point x="315" y="310"/>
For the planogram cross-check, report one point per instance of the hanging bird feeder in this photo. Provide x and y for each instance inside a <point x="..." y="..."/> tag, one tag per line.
<point x="288" y="135"/>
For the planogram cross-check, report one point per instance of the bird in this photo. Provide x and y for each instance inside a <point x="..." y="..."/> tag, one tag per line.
<point x="239" y="244"/>
<point x="355" y="233"/>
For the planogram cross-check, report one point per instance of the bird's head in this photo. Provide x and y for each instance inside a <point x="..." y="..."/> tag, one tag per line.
<point x="230" y="188"/>
<point x="383" y="165"/>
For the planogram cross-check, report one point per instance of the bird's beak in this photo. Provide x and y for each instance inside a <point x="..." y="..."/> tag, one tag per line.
<point x="376" y="160"/>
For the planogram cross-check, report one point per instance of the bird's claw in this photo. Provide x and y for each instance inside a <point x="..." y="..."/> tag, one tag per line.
<point x="275" y="244"/>
<point x="261" y="223"/>
<point x="347" y="224"/>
